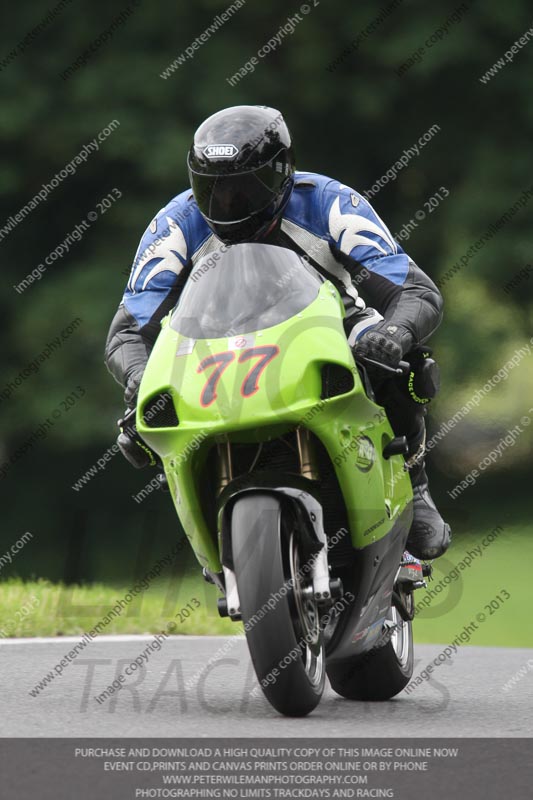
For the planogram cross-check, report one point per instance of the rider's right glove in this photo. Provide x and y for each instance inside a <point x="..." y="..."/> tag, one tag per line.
<point x="131" y="445"/>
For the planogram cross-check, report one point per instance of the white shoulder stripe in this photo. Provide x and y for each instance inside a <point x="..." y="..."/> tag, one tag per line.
<point x="351" y="226"/>
<point x="390" y="237"/>
<point x="175" y="241"/>
<point x="163" y="266"/>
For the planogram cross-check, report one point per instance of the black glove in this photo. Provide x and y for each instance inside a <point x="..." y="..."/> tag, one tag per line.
<point x="131" y="445"/>
<point x="385" y="343"/>
<point x="423" y="380"/>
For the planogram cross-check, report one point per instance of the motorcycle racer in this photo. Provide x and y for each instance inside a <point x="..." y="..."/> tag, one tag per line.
<point x="244" y="188"/>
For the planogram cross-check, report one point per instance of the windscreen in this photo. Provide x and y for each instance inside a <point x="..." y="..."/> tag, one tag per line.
<point x="244" y="288"/>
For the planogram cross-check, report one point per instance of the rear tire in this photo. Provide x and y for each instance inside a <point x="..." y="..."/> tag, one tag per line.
<point x="382" y="672"/>
<point x="281" y="619"/>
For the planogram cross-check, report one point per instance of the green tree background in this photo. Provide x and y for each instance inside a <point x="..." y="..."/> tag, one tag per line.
<point x="351" y="121"/>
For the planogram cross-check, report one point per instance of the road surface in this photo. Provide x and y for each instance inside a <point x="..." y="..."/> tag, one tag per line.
<point x="198" y="686"/>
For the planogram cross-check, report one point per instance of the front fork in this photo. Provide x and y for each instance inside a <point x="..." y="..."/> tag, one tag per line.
<point x="306" y="457"/>
<point x="324" y="590"/>
<point x="225" y="467"/>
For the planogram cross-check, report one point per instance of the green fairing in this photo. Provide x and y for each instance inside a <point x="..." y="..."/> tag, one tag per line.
<point x="288" y="396"/>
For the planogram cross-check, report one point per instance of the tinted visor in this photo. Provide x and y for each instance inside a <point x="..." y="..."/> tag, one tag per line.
<point x="234" y="198"/>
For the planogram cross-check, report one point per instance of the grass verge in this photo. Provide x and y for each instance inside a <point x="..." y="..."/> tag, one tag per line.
<point x="40" y="608"/>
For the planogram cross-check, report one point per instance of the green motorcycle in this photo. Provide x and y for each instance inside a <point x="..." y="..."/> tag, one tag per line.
<point x="286" y="476"/>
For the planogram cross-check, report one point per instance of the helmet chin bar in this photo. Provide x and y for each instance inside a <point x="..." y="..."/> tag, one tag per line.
<point x="256" y="226"/>
<point x="248" y="231"/>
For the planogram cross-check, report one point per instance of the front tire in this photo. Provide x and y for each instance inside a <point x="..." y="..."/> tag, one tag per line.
<point x="382" y="672"/>
<point x="280" y="615"/>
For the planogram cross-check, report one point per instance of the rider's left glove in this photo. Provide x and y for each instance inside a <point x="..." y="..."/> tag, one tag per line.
<point x="385" y="343"/>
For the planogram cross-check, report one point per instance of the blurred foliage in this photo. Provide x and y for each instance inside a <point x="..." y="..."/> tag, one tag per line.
<point x="352" y="122"/>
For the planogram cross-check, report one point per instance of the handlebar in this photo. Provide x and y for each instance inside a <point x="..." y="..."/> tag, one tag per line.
<point x="403" y="367"/>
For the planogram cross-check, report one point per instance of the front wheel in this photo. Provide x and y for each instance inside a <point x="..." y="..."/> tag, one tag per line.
<point x="383" y="671"/>
<point x="280" y="616"/>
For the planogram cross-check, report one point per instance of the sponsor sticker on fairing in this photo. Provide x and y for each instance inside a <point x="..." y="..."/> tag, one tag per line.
<point x="240" y="342"/>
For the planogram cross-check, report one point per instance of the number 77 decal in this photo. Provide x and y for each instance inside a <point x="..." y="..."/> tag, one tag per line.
<point x="265" y="353"/>
<point x="221" y="361"/>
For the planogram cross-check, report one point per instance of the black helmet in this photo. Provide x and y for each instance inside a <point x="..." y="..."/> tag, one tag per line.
<point x="241" y="167"/>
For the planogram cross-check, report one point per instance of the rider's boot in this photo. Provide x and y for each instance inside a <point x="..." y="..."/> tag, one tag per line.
<point x="429" y="536"/>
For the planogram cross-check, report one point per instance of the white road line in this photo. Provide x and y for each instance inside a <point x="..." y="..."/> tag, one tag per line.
<point x="134" y="637"/>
